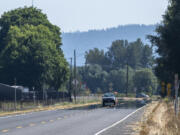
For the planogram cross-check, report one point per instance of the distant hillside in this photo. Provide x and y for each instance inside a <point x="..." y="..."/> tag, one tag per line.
<point x="102" y="39"/>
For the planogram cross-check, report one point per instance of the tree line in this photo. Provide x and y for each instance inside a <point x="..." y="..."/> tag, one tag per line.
<point x="107" y="71"/>
<point x="31" y="55"/>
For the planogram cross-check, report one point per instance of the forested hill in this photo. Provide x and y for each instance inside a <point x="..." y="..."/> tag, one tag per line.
<point x="102" y="39"/>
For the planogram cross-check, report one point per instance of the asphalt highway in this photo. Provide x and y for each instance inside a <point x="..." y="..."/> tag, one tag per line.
<point x="84" y="121"/>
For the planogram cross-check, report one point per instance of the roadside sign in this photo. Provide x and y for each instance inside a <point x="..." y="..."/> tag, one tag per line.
<point x="83" y="86"/>
<point x="75" y="82"/>
<point x="163" y="89"/>
<point x="168" y="89"/>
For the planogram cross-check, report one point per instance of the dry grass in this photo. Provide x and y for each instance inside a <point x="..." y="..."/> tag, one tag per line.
<point x="159" y="119"/>
<point x="45" y="108"/>
<point x="131" y="99"/>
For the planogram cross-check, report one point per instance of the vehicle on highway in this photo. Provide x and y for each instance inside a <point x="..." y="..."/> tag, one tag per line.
<point x="109" y="99"/>
<point x="141" y="95"/>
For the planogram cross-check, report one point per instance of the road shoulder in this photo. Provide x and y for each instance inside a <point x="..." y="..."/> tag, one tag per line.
<point x="125" y="127"/>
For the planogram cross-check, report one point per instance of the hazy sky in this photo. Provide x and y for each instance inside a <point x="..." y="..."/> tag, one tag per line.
<point x="73" y="15"/>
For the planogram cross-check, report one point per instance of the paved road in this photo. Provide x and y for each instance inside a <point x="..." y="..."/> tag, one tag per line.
<point x="63" y="122"/>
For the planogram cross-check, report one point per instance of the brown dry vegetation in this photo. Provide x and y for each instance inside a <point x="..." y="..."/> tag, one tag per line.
<point x="159" y="119"/>
<point x="45" y="108"/>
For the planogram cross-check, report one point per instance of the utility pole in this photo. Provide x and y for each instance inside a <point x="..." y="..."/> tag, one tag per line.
<point x="75" y="75"/>
<point x="32" y="3"/>
<point x="70" y="81"/>
<point x="15" y="94"/>
<point x="127" y="77"/>
<point x="34" y="96"/>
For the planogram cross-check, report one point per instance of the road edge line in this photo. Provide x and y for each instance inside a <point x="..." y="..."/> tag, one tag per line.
<point x="116" y="123"/>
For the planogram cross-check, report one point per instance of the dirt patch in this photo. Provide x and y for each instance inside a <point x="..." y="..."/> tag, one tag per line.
<point x="159" y="119"/>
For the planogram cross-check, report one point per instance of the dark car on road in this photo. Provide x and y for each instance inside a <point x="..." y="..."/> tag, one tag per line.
<point x="109" y="99"/>
<point x="141" y="95"/>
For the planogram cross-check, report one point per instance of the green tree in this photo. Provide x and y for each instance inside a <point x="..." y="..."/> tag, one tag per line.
<point x="112" y="64"/>
<point x="134" y="53"/>
<point x="167" y="42"/>
<point x="117" y="53"/>
<point x="118" y="78"/>
<point x="30" y="50"/>
<point x="94" y="76"/>
<point x="147" y="57"/>
<point x="96" y="56"/>
<point x="145" y="81"/>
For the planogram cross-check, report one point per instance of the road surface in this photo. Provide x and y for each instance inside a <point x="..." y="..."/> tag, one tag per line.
<point x="87" y="121"/>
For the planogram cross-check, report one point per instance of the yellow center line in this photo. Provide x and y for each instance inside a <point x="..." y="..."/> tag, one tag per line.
<point x="18" y="127"/>
<point x="51" y="120"/>
<point x="5" y="130"/>
<point x="32" y="124"/>
<point x="59" y="118"/>
<point x="43" y="122"/>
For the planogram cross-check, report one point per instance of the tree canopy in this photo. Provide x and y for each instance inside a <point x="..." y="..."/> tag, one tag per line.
<point x="30" y="50"/>
<point x="121" y="52"/>
<point x="145" y="80"/>
<point x="167" y="42"/>
<point x="107" y="71"/>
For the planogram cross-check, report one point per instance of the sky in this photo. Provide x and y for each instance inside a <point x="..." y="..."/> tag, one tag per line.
<point x="83" y="15"/>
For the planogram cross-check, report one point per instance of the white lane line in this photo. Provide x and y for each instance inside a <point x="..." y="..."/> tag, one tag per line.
<point x="98" y="133"/>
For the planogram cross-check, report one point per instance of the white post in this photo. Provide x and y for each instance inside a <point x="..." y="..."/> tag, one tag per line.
<point x="15" y="101"/>
<point x="176" y="93"/>
<point x="34" y="96"/>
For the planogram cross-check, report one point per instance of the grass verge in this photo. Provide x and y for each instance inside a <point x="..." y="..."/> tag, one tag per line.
<point x="159" y="119"/>
<point x="64" y="105"/>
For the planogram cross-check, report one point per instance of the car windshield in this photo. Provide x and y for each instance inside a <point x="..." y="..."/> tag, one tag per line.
<point x="108" y="95"/>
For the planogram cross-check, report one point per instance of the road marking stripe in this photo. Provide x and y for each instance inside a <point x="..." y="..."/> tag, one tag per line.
<point x="59" y="118"/>
<point x="51" y="120"/>
<point x="116" y="123"/>
<point x="18" y="127"/>
<point x="5" y="130"/>
<point x="43" y="122"/>
<point x="32" y="124"/>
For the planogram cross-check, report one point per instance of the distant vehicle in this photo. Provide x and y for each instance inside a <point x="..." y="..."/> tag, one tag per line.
<point x="142" y="95"/>
<point x="23" y="89"/>
<point x="109" y="99"/>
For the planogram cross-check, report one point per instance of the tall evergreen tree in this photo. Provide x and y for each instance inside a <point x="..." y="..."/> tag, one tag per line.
<point x="168" y="42"/>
